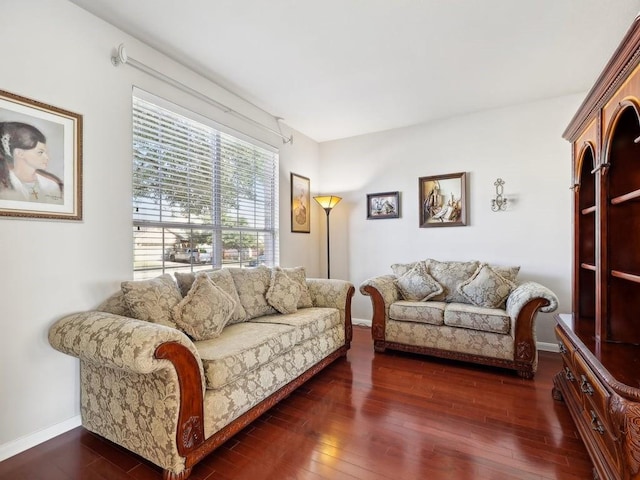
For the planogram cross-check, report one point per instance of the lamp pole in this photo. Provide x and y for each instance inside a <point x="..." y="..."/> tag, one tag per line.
<point x="328" y="210"/>
<point x="328" y="202"/>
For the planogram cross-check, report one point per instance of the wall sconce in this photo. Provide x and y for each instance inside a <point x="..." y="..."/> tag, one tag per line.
<point x="328" y="202"/>
<point x="500" y="202"/>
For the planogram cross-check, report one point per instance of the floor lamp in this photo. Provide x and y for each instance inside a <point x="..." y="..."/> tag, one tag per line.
<point x="328" y="202"/>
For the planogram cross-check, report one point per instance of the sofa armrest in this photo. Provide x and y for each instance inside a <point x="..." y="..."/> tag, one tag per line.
<point x="385" y="286"/>
<point x="523" y="306"/>
<point x="383" y="292"/>
<point x="330" y="293"/>
<point x="115" y="341"/>
<point x="140" y="348"/>
<point x="527" y="291"/>
<point x="333" y="293"/>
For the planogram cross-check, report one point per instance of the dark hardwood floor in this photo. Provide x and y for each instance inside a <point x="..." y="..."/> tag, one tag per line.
<point x="369" y="416"/>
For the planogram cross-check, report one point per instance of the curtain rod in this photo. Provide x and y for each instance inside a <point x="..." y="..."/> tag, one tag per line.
<point x="121" y="58"/>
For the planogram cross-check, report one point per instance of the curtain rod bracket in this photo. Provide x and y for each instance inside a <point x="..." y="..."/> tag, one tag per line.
<point x="120" y="57"/>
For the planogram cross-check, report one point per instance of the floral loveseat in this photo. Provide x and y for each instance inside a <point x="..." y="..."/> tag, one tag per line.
<point x="170" y="370"/>
<point x="462" y="310"/>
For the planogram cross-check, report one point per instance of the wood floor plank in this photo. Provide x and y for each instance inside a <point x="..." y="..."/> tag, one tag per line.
<point x="389" y="416"/>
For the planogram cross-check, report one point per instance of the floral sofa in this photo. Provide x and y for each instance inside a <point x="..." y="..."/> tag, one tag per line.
<point x="468" y="311"/>
<point x="170" y="369"/>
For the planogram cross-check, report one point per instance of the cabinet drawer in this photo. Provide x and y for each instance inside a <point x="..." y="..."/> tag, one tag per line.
<point x="564" y="344"/>
<point x="591" y="388"/>
<point x="601" y="434"/>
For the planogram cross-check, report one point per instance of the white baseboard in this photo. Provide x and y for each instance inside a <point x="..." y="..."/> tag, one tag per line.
<point x="25" y="443"/>
<point x="363" y="322"/>
<point x="544" y="346"/>
<point x="548" y="347"/>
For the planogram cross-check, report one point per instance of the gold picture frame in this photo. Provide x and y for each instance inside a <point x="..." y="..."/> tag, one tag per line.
<point x="443" y="200"/>
<point x="40" y="159"/>
<point x="300" y="204"/>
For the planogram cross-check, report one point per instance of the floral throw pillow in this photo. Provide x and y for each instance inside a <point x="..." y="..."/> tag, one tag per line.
<point x="252" y="285"/>
<point x="299" y="275"/>
<point x="221" y="278"/>
<point x="510" y="273"/>
<point x="486" y="288"/>
<point x="205" y="311"/>
<point x="152" y="300"/>
<point x="450" y="275"/>
<point x="284" y="292"/>
<point x="417" y="284"/>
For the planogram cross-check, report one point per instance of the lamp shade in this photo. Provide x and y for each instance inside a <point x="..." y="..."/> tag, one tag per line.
<point x="327" y="201"/>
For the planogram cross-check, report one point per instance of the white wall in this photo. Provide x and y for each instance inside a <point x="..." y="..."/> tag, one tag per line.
<point x="52" y="268"/>
<point x="58" y="54"/>
<point x="521" y="144"/>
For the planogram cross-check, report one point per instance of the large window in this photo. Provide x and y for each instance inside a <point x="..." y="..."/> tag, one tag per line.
<point x="202" y="197"/>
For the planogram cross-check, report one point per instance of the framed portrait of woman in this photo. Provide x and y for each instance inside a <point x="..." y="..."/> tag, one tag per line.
<point x="300" y="204"/>
<point x="40" y="159"/>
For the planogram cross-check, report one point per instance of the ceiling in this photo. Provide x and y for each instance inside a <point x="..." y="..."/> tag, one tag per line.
<point x="340" y="68"/>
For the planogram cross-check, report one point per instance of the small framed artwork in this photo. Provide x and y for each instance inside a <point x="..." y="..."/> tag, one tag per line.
<point x="300" y="204"/>
<point x="40" y="160"/>
<point x="383" y="205"/>
<point x="443" y="200"/>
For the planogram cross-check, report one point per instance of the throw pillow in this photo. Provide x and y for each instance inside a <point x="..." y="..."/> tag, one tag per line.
<point x="450" y="275"/>
<point x="510" y="273"/>
<point x="252" y="285"/>
<point x="486" y="288"/>
<point x="417" y="284"/>
<point x="206" y="309"/>
<point x="152" y="300"/>
<point x="221" y="278"/>
<point x="299" y="275"/>
<point x="284" y="292"/>
<point x="400" y="269"/>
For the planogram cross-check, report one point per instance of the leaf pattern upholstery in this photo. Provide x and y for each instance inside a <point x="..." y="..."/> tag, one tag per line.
<point x="448" y="325"/>
<point x="133" y="399"/>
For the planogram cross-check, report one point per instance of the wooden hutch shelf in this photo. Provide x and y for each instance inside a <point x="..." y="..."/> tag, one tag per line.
<point x="600" y="340"/>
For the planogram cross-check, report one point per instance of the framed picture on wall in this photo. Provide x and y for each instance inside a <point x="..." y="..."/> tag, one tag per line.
<point x="300" y="204"/>
<point x="40" y="160"/>
<point x="383" y="205"/>
<point x="443" y="200"/>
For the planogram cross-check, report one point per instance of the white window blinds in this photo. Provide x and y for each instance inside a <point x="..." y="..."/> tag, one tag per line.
<point x="201" y="197"/>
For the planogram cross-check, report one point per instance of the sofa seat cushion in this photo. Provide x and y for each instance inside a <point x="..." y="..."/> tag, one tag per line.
<point x="241" y="348"/>
<point x="309" y="322"/>
<point x="421" y="312"/>
<point x="226" y="404"/>
<point x="462" y="315"/>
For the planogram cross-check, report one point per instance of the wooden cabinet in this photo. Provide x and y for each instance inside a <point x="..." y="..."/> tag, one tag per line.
<point x="600" y="339"/>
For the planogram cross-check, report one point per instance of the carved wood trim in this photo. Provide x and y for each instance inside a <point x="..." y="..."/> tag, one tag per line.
<point x="524" y="370"/>
<point x="378" y="320"/>
<point x="190" y="432"/>
<point x="526" y="352"/>
<point x="348" y="327"/>
<point x="623" y="61"/>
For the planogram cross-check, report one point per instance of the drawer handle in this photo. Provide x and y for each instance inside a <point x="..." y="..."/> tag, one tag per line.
<point x="585" y="386"/>
<point x="569" y="375"/>
<point x="596" y="424"/>
<point x="563" y="349"/>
